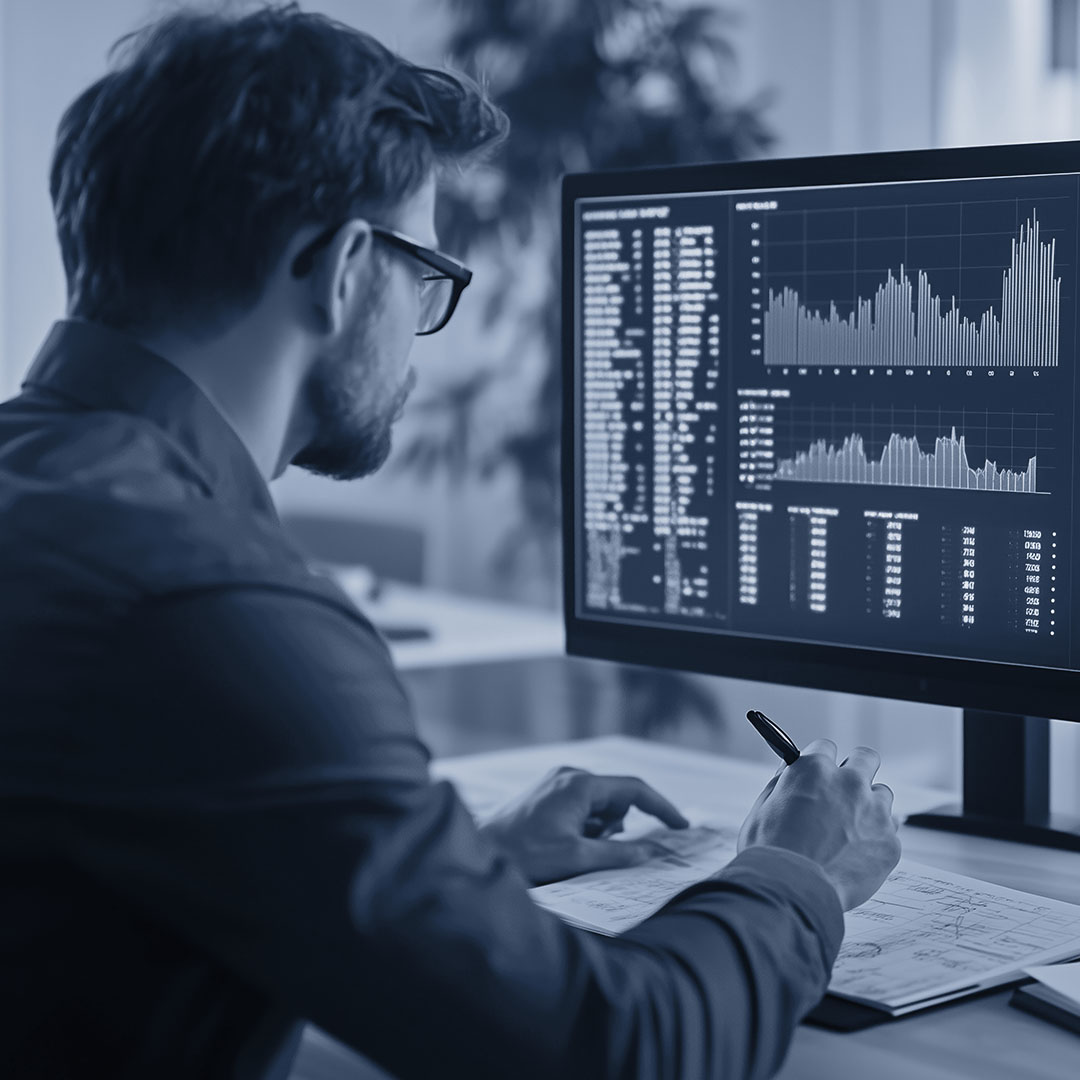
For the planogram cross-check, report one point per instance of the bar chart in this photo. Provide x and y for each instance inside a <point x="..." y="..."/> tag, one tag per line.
<point x="904" y="323"/>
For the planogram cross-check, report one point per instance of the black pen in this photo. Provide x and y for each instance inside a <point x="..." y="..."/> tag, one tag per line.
<point x="775" y="736"/>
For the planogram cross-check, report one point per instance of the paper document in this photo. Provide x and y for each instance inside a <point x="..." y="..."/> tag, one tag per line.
<point x="611" y="901"/>
<point x="928" y="935"/>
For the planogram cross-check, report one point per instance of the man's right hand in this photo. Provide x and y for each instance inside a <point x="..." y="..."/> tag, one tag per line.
<point x="833" y="814"/>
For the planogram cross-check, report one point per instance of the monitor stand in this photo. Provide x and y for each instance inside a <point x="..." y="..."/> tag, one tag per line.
<point x="1006" y="784"/>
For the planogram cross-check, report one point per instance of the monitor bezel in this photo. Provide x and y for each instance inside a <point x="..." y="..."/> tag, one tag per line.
<point x="975" y="684"/>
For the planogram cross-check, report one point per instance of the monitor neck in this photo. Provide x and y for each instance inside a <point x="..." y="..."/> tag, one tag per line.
<point x="1006" y="784"/>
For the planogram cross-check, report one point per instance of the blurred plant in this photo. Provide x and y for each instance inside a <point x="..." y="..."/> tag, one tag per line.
<point x="588" y="84"/>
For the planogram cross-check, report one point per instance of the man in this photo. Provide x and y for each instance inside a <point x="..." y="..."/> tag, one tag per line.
<point x="217" y="818"/>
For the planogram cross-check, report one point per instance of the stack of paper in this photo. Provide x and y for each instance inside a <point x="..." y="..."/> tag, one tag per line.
<point x="927" y="936"/>
<point x="1055" y="996"/>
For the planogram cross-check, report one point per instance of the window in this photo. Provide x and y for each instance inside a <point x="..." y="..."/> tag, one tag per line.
<point x="1065" y="35"/>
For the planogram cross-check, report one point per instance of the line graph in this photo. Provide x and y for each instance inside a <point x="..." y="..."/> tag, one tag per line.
<point x="904" y="323"/>
<point x="903" y="463"/>
<point x="1010" y="442"/>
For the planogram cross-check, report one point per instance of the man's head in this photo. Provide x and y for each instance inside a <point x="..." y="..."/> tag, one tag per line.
<point x="187" y="181"/>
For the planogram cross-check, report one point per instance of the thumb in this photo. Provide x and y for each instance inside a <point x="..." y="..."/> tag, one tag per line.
<point x="615" y="854"/>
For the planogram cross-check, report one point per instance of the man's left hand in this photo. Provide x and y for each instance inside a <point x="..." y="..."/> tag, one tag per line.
<point x="563" y="826"/>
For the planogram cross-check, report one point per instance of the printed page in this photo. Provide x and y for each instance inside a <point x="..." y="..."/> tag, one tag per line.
<point x="611" y="901"/>
<point x="928" y="934"/>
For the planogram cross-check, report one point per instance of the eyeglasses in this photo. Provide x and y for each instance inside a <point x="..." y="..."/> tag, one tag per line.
<point x="440" y="290"/>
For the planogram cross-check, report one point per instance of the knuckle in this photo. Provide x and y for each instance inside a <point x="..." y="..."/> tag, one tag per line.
<point x="565" y="778"/>
<point x="815" y="764"/>
<point x="577" y="858"/>
<point x="850" y="779"/>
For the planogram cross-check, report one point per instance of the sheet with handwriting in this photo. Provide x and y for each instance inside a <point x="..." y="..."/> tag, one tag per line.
<point x="928" y="932"/>
<point x="611" y="901"/>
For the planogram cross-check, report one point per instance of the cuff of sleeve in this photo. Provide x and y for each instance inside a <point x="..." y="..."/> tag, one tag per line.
<point x="803" y="882"/>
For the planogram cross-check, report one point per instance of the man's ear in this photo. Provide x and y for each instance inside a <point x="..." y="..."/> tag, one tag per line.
<point x="341" y="273"/>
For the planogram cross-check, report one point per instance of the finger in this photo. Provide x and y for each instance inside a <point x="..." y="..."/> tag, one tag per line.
<point x="597" y="827"/>
<point x="563" y="770"/>
<point x="825" y="747"/>
<point x="767" y="790"/>
<point x="616" y="854"/>
<point x="594" y="825"/>
<point x="865" y="761"/>
<point x="614" y="795"/>
<point x="886" y="792"/>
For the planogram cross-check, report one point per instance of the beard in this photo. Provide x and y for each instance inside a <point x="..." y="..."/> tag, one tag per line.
<point x="354" y="413"/>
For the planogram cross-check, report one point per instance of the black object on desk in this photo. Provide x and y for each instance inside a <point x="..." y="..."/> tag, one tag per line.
<point x="404" y="633"/>
<point x="839" y="1014"/>
<point x="1030" y="999"/>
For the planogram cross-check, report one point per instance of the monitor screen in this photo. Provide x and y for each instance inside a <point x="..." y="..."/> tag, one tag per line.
<point x="820" y="425"/>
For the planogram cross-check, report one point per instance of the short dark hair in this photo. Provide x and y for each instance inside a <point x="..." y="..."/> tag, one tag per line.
<point x="178" y="177"/>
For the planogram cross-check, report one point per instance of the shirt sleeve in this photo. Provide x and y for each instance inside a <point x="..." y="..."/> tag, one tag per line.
<point x="282" y="820"/>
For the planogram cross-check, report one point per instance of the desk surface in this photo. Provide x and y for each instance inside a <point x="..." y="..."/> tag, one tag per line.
<point x="464" y="630"/>
<point x="983" y="1038"/>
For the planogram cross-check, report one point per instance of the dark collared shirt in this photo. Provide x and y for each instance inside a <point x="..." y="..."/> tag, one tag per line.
<point x="216" y="818"/>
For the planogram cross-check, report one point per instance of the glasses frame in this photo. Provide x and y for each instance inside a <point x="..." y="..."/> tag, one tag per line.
<point x="446" y="265"/>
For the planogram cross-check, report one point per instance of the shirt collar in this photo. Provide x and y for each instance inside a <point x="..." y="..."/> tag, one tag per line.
<point x="101" y="368"/>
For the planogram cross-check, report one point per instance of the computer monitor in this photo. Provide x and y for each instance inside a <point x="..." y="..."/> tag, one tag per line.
<point x="820" y="429"/>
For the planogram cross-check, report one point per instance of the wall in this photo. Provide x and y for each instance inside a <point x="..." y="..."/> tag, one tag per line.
<point x="42" y="71"/>
<point x="999" y="86"/>
<point x="849" y="76"/>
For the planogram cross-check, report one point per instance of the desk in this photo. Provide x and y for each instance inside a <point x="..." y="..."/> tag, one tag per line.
<point x="464" y="630"/>
<point x="981" y="1039"/>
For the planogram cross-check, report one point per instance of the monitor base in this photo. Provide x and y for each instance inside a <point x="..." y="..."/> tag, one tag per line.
<point x="1006" y="795"/>
<point x="1059" y="831"/>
